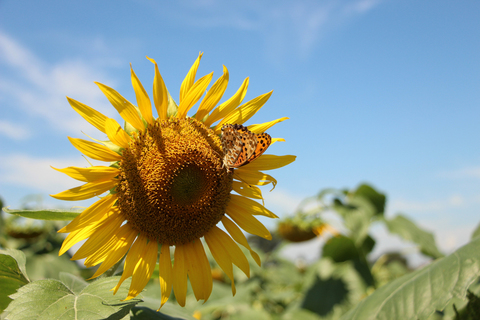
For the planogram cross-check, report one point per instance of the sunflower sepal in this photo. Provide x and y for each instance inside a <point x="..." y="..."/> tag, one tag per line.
<point x="172" y="108"/>
<point x="131" y="130"/>
<point x="115" y="165"/>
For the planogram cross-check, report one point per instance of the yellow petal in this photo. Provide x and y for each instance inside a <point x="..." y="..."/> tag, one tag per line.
<point x="122" y="242"/>
<point x="221" y="241"/>
<point x="75" y="237"/>
<point x="248" y="223"/>
<point x="244" y="112"/>
<point x="213" y="95"/>
<point x="126" y="110"/>
<point x="160" y="93"/>
<point x="277" y="139"/>
<point x="193" y="95"/>
<point x="269" y="162"/>
<point x="229" y="105"/>
<point x="143" y="101"/>
<point x="144" y="269"/>
<point x="91" y="115"/>
<point x="254" y="177"/>
<point x="90" y="174"/>
<point x="116" y="134"/>
<point x="249" y="206"/>
<point x="190" y="78"/>
<point x="223" y="259"/>
<point x="94" y="150"/>
<point x="238" y="236"/>
<point x="93" y="213"/>
<point x="165" y="273"/>
<point x="246" y="190"/>
<point x="82" y="234"/>
<point x="133" y="257"/>
<point x="87" y="191"/>
<point x="260" y="128"/>
<point x="100" y="237"/>
<point x="198" y="270"/>
<point x="180" y="275"/>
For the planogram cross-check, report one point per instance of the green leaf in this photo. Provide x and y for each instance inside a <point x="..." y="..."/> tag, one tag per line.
<point x="409" y="231"/>
<point x="476" y="233"/>
<point x="45" y="214"/>
<point x="341" y="249"/>
<point x="298" y="313"/>
<point x="334" y="289"/>
<point x="357" y="215"/>
<point x="417" y="295"/>
<point x="49" y="265"/>
<point x="377" y="199"/>
<point x="75" y="284"/>
<point x="12" y="275"/>
<point x="142" y="313"/>
<point x="52" y="299"/>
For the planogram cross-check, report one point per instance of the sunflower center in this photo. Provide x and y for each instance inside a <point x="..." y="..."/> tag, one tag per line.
<point x="172" y="185"/>
<point x="188" y="185"/>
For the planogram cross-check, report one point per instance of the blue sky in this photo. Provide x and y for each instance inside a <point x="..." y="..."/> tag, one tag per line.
<point x="378" y="91"/>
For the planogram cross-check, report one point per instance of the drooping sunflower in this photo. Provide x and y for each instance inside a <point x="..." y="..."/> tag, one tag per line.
<point x="168" y="188"/>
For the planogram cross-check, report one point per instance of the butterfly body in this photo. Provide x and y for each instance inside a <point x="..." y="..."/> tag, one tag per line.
<point x="241" y="146"/>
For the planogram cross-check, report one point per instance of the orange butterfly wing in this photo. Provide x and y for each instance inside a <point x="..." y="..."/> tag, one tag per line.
<point x="232" y="146"/>
<point x="249" y="141"/>
<point x="263" y="142"/>
<point x="241" y="146"/>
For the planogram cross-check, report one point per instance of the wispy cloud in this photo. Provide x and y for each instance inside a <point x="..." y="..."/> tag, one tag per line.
<point x="470" y="172"/>
<point x="436" y="205"/>
<point x="281" y="202"/>
<point x="36" y="174"/>
<point x="15" y="131"/>
<point x="287" y="27"/>
<point x="39" y="88"/>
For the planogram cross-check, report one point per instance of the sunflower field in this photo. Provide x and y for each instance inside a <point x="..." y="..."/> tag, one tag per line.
<point x="345" y="282"/>
<point x="175" y="229"/>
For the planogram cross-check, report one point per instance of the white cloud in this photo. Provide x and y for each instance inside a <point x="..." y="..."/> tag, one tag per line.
<point x="300" y="25"/>
<point x="287" y="27"/>
<point x="14" y="131"/>
<point x="35" y="173"/>
<point x="361" y="6"/>
<point x="38" y="89"/>
<point x="470" y="172"/>
<point x="280" y="201"/>
<point x="436" y="205"/>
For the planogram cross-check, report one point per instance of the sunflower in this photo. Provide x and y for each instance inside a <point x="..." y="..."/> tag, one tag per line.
<point x="293" y="232"/>
<point x="167" y="188"/>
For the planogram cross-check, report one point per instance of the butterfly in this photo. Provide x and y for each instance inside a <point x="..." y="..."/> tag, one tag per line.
<point x="241" y="146"/>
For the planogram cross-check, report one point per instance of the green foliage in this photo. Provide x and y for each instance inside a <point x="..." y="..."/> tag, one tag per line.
<point x="12" y="275"/>
<point x="46" y="214"/>
<point x="335" y="288"/>
<point x="476" y="233"/>
<point x="377" y="199"/>
<point x="472" y="310"/>
<point x="405" y="228"/>
<point x="418" y="294"/>
<point x="345" y="282"/>
<point x="143" y="313"/>
<point x="71" y="299"/>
